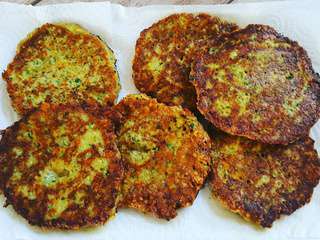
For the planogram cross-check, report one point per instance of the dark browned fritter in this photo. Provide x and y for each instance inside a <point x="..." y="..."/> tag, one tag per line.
<point x="62" y="63"/>
<point x="61" y="168"/>
<point x="166" y="155"/>
<point x="261" y="182"/>
<point x="258" y="84"/>
<point x="164" y="53"/>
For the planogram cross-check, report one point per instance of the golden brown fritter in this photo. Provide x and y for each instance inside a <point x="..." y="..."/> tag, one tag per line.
<point x="164" y="53"/>
<point x="62" y="63"/>
<point x="258" y="84"/>
<point x="62" y="168"/>
<point x="166" y="155"/>
<point x="261" y="182"/>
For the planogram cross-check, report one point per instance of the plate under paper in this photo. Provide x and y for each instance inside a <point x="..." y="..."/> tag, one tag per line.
<point x="120" y="27"/>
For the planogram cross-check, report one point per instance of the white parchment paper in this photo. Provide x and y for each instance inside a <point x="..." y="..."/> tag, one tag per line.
<point x="120" y="27"/>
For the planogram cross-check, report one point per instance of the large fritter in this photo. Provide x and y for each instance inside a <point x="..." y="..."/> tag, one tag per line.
<point x="261" y="182"/>
<point x="258" y="84"/>
<point x="62" y="63"/>
<point x="62" y="168"/>
<point x="166" y="155"/>
<point x="164" y="53"/>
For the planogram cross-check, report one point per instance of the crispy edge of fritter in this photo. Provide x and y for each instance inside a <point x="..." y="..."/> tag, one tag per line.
<point x="157" y="209"/>
<point x="7" y="141"/>
<point x="265" y="31"/>
<point x="252" y="214"/>
<point x="29" y="41"/>
<point x="6" y="138"/>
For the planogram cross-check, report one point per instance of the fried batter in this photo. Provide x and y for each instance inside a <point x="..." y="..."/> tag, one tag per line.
<point x="166" y="155"/>
<point x="164" y="53"/>
<point x="62" y="168"/>
<point x="258" y="84"/>
<point x="62" y="63"/>
<point x="261" y="182"/>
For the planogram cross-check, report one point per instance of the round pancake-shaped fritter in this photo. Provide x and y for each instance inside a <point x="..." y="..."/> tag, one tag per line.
<point x="62" y="63"/>
<point x="261" y="182"/>
<point x="62" y="168"/>
<point x="166" y="155"/>
<point x="164" y="53"/>
<point x="258" y="84"/>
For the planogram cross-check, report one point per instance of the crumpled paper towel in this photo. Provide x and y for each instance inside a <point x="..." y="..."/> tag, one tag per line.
<point x="120" y="27"/>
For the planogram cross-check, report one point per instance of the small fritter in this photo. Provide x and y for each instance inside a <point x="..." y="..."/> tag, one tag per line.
<point x="166" y="155"/>
<point x="258" y="84"/>
<point x="164" y="53"/>
<point x="62" y="168"/>
<point x="261" y="182"/>
<point x="62" y="63"/>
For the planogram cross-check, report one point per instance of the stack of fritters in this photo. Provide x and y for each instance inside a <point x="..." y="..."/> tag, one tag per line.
<point x="164" y="53"/>
<point x="165" y="150"/>
<point x="252" y="83"/>
<point x="60" y="166"/>
<point x="260" y="85"/>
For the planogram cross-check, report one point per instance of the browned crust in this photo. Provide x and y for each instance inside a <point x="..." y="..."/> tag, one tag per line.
<point x="275" y="125"/>
<point x="103" y="193"/>
<point x="172" y="85"/>
<point x="33" y="44"/>
<point x="293" y="172"/>
<point x="178" y="176"/>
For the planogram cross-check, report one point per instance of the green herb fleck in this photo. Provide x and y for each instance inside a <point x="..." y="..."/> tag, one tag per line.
<point x="192" y="126"/>
<point x="77" y="81"/>
<point x="289" y="76"/>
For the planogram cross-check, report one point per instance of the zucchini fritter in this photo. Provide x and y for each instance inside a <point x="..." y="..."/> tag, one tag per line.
<point x="62" y="63"/>
<point x="166" y="155"/>
<point x="62" y="168"/>
<point x="261" y="182"/>
<point x="164" y="53"/>
<point x="258" y="84"/>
